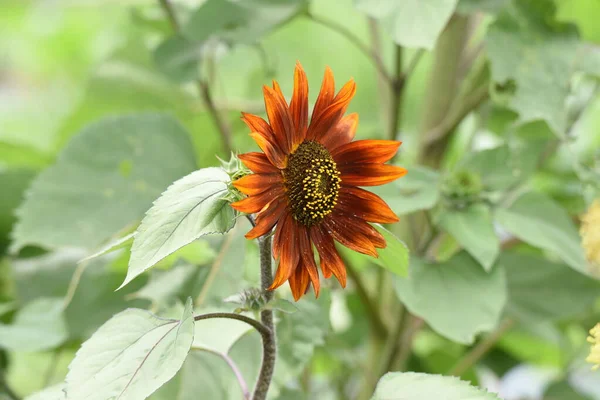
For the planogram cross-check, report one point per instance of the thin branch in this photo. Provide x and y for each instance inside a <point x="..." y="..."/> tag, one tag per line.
<point x="412" y="66"/>
<point x="262" y="329"/>
<point x="203" y="87"/>
<point x="481" y="349"/>
<point x="348" y="34"/>
<point x="373" y="314"/>
<point x="396" y="103"/>
<point x="236" y="371"/>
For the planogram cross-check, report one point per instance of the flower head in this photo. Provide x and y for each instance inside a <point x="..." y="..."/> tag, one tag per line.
<point x="594" y="339"/>
<point x="306" y="182"/>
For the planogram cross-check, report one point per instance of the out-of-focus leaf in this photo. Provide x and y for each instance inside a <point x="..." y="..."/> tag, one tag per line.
<point x="13" y="184"/>
<point x="111" y="246"/>
<point x="411" y="23"/>
<point x="103" y="180"/>
<point x="563" y="391"/>
<point x="540" y="290"/>
<point x="583" y="13"/>
<point x="130" y="356"/>
<point x="457" y="298"/>
<point x="178" y="58"/>
<point x="418" y="190"/>
<point x="413" y="385"/>
<point x="473" y="229"/>
<point x="282" y="305"/>
<point x="199" y="252"/>
<point x="536" y="219"/>
<point x="473" y="6"/>
<point x="532" y="60"/>
<point x="55" y="392"/>
<point x="192" y="207"/>
<point x="219" y="334"/>
<point x="394" y="257"/>
<point x="164" y="286"/>
<point x="39" y="325"/>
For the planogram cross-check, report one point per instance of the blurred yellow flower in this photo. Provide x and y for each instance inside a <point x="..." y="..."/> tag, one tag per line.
<point x="594" y="339"/>
<point x="590" y="234"/>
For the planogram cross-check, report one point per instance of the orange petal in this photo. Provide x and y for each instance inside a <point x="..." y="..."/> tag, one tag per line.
<point x="343" y="132"/>
<point x="366" y="151"/>
<point x="346" y="234"/>
<point x="279" y="118"/>
<point x="268" y="217"/>
<point x="299" y="105"/>
<point x="258" y="163"/>
<point x="320" y="126"/>
<point x="271" y="150"/>
<point x="277" y="89"/>
<point x="289" y="256"/>
<point x="308" y="258"/>
<point x="256" y="203"/>
<point x="257" y="124"/>
<point x="257" y="183"/>
<point x="299" y="282"/>
<point x="366" y="205"/>
<point x="326" y="95"/>
<point x="331" y="262"/>
<point x="360" y="227"/>
<point x="358" y="174"/>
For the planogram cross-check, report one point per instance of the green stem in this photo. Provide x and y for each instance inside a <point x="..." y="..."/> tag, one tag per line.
<point x="396" y="103"/>
<point x="372" y="311"/>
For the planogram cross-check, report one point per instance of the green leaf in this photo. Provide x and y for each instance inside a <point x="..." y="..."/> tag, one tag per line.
<point x="55" y="392"/>
<point x="164" y="286"/>
<point x="282" y="305"/>
<point x="39" y="325"/>
<point x="411" y="23"/>
<point x="473" y="6"/>
<point x="130" y="356"/>
<point x="413" y="385"/>
<point x="539" y="221"/>
<point x="13" y="184"/>
<point x="178" y="58"/>
<point x="418" y="190"/>
<point x="532" y="61"/>
<point x="540" y="290"/>
<point x="473" y="229"/>
<point x="103" y="181"/>
<point x="190" y="208"/>
<point x="563" y="390"/>
<point x="457" y="298"/>
<point x="111" y="246"/>
<point x="394" y="257"/>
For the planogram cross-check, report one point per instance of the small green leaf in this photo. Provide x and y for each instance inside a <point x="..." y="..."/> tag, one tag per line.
<point x="473" y="229"/>
<point x="130" y="356"/>
<point x="282" y="305"/>
<point x="394" y="256"/>
<point x="539" y="221"/>
<point x="418" y="190"/>
<point x="87" y="187"/>
<point x="411" y="23"/>
<point x="457" y="298"/>
<point x="179" y="58"/>
<point x="39" y="325"/>
<point x="413" y="385"/>
<point x="190" y="208"/>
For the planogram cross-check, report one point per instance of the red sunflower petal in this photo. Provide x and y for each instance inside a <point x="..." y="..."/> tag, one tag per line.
<point x="366" y="151"/>
<point x="299" y="105"/>
<point x="256" y="203"/>
<point x="343" y="132"/>
<point x="346" y="233"/>
<point x="289" y="256"/>
<point x="257" y="124"/>
<point x="279" y="118"/>
<point x="277" y="88"/>
<point x="267" y="219"/>
<point x="271" y="150"/>
<point x="308" y="258"/>
<point x="320" y="126"/>
<point x="361" y="227"/>
<point x="326" y="94"/>
<point x="254" y="184"/>
<point x="299" y="282"/>
<point x="258" y="163"/>
<point x="331" y="262"/>
<point x="358" y="174"/>
<point x="366" y="205"/>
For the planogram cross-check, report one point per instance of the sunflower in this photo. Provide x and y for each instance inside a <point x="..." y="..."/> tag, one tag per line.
<point x="305" y="182"/>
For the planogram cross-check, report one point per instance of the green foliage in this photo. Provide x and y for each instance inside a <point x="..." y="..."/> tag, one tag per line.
<point x="395" y="256"/>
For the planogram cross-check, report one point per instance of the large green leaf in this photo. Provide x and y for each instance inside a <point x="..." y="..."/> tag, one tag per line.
<point x="540" y="290"/>
<point x="532" y="60"/>
<point x="192" y="207"/>
<point x="412" y="385"/>
<point x="411" y="23"/>
<point x="394" y="256"/>
<point x="536" y="219"/>
<point x="457" y="298"/>
<point x="130" y="356"/>
<point x="39" y="325"/>
<point x="473" y="229"/>
<point x="104" y="180"/>
<point x="418" y="190"/>
<point x="178" y="58"/>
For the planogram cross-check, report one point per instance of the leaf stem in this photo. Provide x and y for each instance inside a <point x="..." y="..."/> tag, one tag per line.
<point x="203" y="86"/>
<point x="262" y="329"/>
<point x="266" y="316"/>
<point x="348" y="34"/>
<point x="481" y="348"/>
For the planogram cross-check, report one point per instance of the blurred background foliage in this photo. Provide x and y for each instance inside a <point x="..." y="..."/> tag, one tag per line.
<point x="99" y="108"/>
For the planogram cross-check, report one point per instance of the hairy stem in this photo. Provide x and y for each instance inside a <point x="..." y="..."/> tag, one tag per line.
<point x="481" y="349"/>
<point x="266" y="316"/>
<point x="203" y="87"/>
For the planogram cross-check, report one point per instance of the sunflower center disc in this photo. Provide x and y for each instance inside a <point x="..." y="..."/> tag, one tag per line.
<point x="312" y="182"/>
